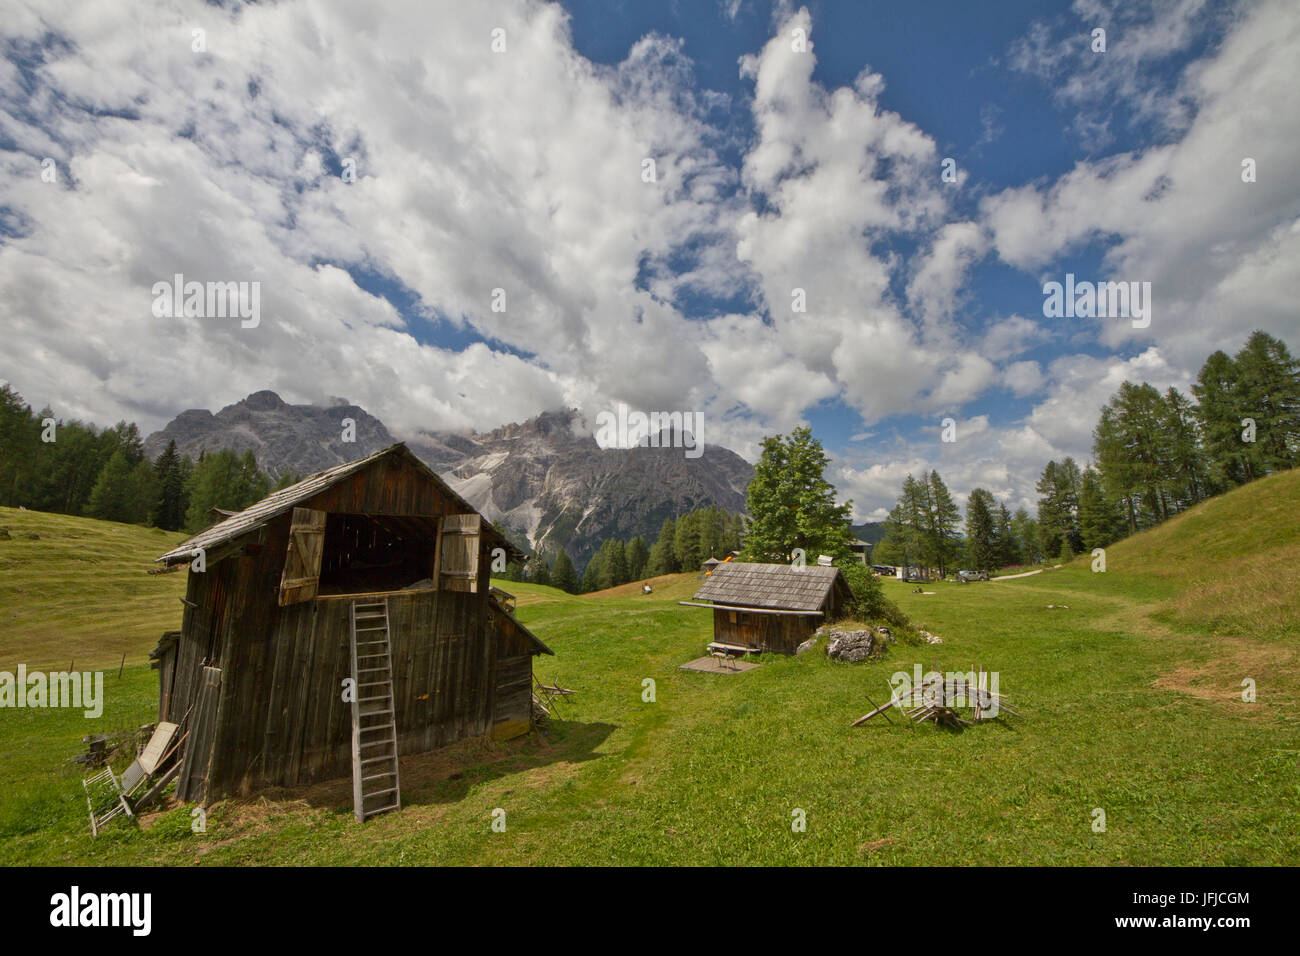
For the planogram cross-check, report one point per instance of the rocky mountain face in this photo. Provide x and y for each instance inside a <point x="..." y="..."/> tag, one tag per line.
<point x="301" y="439"/>
<point x="545" y="482"/>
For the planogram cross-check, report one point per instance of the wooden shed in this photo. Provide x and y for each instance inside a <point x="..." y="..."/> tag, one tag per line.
<point x="339" y="623"/>
<point x="771" y="608"/>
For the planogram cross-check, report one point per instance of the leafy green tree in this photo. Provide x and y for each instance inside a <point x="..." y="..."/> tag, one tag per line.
<point x="592" y="574"/>
<point x="249" y="484"/>
<point x="1058" y="505"/>
<point x="981" y="530"/>
<point x="687" y="545"/>
<point x="790" y="504"/>
<point x="170" y="472"/>
<point x="1006" y="551"/>
<point x="223" y="479"/>
<point x="1221" y="408"/>
<point x="1186" y="478"/>
<point x="563" y="576"/>
<point x="941" y="524"/>
<point x="1100" y="522"/>
<point x="1025" y="529"/>
<point x="19" y="444"/>
<point x="144" y="491"/>
<point x="286" y="479"/>
<point x="111" y="498"/>
<point x="616" y="564"/>
<point x="638" y="557"/>
<point x="67" y="468"/>
<point x="663" y="559"/>
<point x="1269" y="390"/>
<point x="869" y="600"/>
<point x="905" y="527"/>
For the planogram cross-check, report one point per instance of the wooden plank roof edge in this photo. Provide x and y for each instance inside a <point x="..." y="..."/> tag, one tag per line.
<point x="311" y="485"/>
<point x="752" y="610"/>
<point x="531" y="636"/>
<point x="802" y="588"/>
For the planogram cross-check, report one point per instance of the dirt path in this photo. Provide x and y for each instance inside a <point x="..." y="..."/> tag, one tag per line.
<point x="1025" y="574"/>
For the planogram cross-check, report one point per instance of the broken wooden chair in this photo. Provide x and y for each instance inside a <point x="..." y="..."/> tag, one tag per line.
<point x="105" y="798"/>
<point x="108" y="795"/>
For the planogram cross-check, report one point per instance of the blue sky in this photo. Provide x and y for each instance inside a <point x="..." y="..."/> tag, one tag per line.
<point x="211" y="141"/>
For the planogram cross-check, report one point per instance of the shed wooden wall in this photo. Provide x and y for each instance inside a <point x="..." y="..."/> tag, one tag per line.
<point x="771" y="633"/>
<point x="284" y="719"/>
<point x="512" y="710"/>
<point x="280" y="718"/>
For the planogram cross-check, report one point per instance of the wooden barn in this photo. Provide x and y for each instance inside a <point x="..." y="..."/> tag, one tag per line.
<point x="772" y="608"/>
<point x="336" y="624"/>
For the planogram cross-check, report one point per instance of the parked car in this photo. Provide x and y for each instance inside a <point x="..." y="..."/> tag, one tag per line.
<point x="965" y="576"/>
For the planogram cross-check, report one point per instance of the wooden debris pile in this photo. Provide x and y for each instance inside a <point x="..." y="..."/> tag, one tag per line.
<point x="940" y="699"/>
<point x="102" y="748"/>
<point x="547" y="698"/>
<point x="108" y="794"/>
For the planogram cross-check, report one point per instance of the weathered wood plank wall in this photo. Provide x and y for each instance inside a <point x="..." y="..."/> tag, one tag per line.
<point x="280" y="718"/>
<point x="773" y="633"/>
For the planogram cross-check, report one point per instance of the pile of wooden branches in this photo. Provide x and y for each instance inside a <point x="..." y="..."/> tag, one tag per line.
<point x="940" y="701"/>
<point x="547" y="698"/>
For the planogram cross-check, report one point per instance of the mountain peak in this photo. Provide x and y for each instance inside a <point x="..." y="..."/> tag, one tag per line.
<point x="543" y="481"/>
<point x="264" y="401"/>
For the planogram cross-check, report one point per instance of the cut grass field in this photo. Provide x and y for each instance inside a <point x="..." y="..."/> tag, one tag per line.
<point x="77" y="590"/>
<point x="1131" y="699"/>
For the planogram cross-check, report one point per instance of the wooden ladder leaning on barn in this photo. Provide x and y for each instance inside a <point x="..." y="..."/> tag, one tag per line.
<point x="374" y="726"/>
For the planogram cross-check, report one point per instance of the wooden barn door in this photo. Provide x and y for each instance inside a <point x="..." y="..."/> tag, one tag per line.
<point x="301" y="578"/>
<point x="458" y="547"/>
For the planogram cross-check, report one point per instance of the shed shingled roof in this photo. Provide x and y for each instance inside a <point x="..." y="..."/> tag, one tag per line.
<point x="278" y="502"/>
<point x="777" y="586"/>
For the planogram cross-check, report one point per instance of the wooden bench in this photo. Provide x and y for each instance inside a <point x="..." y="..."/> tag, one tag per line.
<point x="724" y="651"/>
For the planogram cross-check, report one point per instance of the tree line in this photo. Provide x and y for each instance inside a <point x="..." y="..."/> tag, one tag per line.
<point x="683" y="544"/>
<point x="74" y="468"/>
<point x="1154" y="454"/>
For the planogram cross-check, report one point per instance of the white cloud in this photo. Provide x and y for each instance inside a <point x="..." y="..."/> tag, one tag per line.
<point x="464" y="185"/>
<point x="1218" y="252"/>
<point x="1012" y="336"/>
<point x="1023" y="378"/>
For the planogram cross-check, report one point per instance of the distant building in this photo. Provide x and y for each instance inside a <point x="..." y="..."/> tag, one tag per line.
<point x="861" y="549"/>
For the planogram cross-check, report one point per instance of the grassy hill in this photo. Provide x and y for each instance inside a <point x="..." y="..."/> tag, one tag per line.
<point x="76" y="589"/>
<point x="1235" y="560"/>
<point x="1130" y="691"/>
<point x="677" y="587"/>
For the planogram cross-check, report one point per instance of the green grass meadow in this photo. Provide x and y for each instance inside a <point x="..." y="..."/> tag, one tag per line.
<point x="1131" y="698"/>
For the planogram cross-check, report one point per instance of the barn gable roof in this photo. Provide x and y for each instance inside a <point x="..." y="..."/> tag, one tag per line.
<point x="278" y="502"/>
<point x="505" y="612"/>
<point x="776" y="586"/>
